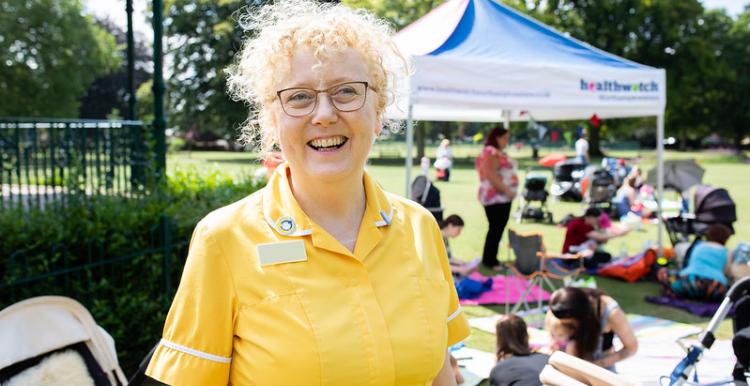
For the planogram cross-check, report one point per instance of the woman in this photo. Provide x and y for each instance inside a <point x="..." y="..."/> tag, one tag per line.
<point x="626" y="197"/>
<point x="516" y="364"/>
<point x="594" y="320"/>
<point x="320" y="278"/>
<point x="705" y="277"/>
<point x="498" y="184"/>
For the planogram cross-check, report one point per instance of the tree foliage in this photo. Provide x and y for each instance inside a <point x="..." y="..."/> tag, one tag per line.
<point x="110" y="92"/>
<point x="49" y="55"/>
<point x="203" y="37"/>
<point x="399" y="13"/>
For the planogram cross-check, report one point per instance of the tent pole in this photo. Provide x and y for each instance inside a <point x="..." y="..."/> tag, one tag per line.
<point x="506" y="119"/>
<point x="409" y="142"/>
<point x="660" y="177"/>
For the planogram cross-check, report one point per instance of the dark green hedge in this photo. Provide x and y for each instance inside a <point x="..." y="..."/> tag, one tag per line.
<point x="127" y="284"/>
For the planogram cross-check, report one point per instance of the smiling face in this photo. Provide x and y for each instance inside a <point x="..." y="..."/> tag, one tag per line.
<point x="327" y="144"/>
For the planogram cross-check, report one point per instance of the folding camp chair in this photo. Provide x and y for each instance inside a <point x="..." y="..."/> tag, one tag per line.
<point x="537" y="266"/>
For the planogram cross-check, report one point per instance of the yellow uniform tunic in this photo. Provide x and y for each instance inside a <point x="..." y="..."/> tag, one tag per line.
<point x="383" y="315"/>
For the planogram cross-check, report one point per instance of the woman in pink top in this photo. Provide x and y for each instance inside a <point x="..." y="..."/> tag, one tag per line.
<point x="498" y="184"/>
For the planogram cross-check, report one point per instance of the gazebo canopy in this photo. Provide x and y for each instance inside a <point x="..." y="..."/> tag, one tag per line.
<point x="476" y="59"/>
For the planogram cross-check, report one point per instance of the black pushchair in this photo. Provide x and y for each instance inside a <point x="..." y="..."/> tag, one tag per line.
<point x="567" y="184"/>
<point x="534" y="191"/>
<point x="712" y="206"/>
<point x="601" y="190"/>
<point x="427" y="195"/>
<point x="739" y="297"/>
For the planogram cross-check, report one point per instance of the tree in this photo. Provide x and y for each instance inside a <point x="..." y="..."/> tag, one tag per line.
<point x="399" y="12"/>
<point x="49" y="55"/>
<point x="735" y="117"/>
<point x="203" y="38"/>
<point x="110" y="91"/>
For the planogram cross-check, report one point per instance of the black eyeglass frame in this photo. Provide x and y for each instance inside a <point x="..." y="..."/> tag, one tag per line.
<point x="317" y="97"/>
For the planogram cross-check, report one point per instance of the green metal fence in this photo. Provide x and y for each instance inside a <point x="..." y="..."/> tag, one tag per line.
<point x="50" y="170"/>
<point x="47" y="160"/>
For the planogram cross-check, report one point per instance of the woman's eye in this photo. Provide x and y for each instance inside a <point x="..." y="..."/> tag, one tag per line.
<point x="345" y="91"/>
<point x="300" y="97"/>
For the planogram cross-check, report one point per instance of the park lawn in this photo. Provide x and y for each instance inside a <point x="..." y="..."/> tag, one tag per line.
<point x="459" y="196"/>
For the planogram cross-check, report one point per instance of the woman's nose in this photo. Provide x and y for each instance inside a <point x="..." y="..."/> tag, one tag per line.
<point x="325" y="112"/>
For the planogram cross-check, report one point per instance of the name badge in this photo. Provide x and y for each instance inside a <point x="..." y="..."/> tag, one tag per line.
<point x="281" y="252"/>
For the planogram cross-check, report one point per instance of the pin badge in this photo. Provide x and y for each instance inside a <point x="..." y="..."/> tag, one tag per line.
<point x="286" y="225"/>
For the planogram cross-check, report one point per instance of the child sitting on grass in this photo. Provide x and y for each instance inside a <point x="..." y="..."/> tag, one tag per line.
<point x="451" y="227"/>
<point x="516" y="363"/>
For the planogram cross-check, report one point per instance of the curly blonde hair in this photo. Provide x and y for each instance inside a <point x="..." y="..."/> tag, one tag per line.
<point x="326" y="28"/>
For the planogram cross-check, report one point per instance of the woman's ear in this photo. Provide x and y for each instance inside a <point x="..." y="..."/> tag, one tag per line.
<point x="379" y="125"/>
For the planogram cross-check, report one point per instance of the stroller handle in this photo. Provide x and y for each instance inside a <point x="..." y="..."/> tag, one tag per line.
<point x="738" y="289"/>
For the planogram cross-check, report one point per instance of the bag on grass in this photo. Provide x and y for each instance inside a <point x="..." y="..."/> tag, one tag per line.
<point x="630" y="268"/>
<point x="468" y="288"/>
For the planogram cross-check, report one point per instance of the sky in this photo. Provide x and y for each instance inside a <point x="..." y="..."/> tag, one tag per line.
<point x="733" y="7"/>
<point x="116" y="10"/>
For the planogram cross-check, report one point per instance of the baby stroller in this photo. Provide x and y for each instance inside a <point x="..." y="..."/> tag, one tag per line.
<point x="54" y="339"/>
<point x="427" y="195"/>
<point x="534" y="190"/>
<point x="739" y="297"/>
<point x="712" y="206"/>
<point x="567" y="180"/>
<point x="601" y="190"/>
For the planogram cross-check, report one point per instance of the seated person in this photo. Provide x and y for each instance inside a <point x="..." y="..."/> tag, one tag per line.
<point x="590" y="320"/>
<point x="626" y="199"/>
<point x="705" y="276"/>
<point x="451" y="227"/>
<point x="516" y="363"/>
<point x="585" y="235"/>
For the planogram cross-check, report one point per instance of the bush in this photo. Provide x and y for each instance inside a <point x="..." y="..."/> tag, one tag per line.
<point x="121" y="257"/>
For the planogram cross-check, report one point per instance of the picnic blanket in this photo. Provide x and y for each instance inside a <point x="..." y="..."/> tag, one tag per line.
<point x="645" y="327"/>
<point x="657" y="357"/>
<point x="496" y="295"/>
<point x="658" y="349"/>
<point x="694" y="307"/>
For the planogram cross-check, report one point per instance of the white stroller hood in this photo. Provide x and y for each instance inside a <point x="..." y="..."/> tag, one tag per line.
<point x="43" y="324"/>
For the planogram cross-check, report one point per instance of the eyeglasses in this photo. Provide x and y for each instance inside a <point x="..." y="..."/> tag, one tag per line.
<point x="345" y="97"/>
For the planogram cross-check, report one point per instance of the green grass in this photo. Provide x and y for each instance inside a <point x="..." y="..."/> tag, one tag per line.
<point x="459" y="196"/>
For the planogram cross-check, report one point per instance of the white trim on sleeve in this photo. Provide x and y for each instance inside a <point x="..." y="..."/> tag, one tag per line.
<point x="196" y="353"/>
<point x="454" y="314"/>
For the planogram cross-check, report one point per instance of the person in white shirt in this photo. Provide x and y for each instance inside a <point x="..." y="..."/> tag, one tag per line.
<point x="582" y="148"/>
<point x="444" y="160"/>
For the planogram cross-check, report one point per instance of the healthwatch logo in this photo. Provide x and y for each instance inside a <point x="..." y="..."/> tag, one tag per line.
<point x="615" y="86"/>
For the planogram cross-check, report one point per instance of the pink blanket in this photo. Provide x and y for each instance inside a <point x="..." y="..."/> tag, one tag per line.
<point x="496" y="295"/>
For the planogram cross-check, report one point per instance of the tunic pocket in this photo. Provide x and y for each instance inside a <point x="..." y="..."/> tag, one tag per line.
<point x="275" y="344"/>
<point x="435" y="300"/>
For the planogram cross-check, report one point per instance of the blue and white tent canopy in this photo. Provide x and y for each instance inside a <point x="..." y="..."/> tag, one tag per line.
<point x="476" y="59"/>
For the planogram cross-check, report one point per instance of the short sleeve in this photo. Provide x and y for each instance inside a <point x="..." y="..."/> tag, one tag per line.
<point x="458" y="325"/>
<point x="196" y="345"/>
